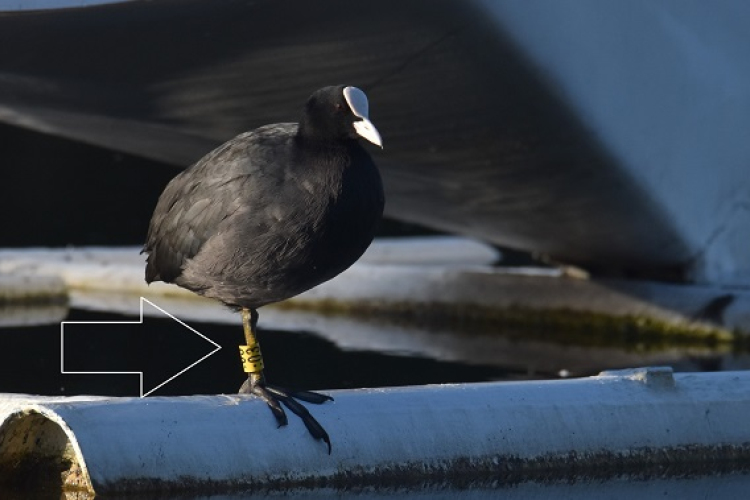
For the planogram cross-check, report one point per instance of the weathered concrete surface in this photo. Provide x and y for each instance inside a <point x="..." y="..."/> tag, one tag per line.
<point x="31" y="288"/>
<point x="530" y="350"/>
<point x="601" y="427"/>
<point x="32" y="299"/>
<point x="448" y="274"/>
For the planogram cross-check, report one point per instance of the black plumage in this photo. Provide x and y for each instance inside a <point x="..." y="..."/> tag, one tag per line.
<point x="274" y="211"/>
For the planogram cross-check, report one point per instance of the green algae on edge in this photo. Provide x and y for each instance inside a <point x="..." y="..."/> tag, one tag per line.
<point x="558" y="325"/>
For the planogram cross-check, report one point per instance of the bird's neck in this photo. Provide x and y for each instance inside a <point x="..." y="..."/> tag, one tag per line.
<point x="312" y="139"/>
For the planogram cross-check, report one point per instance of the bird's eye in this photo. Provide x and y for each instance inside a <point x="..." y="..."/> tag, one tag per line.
<point x="339" y="107"/>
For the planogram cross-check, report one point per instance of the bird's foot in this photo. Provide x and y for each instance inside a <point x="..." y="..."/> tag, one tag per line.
<point x="276" y="396"/>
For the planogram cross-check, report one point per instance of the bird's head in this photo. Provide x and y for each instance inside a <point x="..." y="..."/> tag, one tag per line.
<point x="339" y="112"/>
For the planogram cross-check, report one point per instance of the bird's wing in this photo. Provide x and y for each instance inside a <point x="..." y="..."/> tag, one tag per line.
<point x="178" y="234"/>
<point x="193" y="205"/>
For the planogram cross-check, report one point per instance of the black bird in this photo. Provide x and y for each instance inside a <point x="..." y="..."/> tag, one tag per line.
<point x="268" y="215"/>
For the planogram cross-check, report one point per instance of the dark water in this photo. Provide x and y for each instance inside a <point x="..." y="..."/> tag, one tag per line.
<point x="31" y="360"/>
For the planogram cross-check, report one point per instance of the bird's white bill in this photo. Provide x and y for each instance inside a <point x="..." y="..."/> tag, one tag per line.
<point x="367" y="130"/>
<point x="357" y="101"/>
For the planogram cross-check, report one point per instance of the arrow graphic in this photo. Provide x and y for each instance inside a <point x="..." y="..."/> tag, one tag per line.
<point x="97" y="336"/>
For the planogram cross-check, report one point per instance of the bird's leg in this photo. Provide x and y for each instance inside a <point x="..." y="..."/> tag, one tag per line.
<point x="252" y="363"/>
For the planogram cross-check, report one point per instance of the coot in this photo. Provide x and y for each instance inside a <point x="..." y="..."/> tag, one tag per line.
<point x="268" y="215"/>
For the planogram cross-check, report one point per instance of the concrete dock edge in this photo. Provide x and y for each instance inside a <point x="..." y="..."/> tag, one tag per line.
<point x="512" y="431"/>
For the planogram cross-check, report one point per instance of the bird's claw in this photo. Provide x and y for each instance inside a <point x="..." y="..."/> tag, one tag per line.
<point x="289" y="399"/>
<point x="273" y="396"/>
<point x="315" y="398"/>
<point x="259" y="390"/>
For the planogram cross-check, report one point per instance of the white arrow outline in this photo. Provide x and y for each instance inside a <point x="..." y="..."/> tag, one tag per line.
<point x="143" y="299"/>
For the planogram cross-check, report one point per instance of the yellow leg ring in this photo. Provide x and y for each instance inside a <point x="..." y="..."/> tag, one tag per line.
<point x="252" y="359"/>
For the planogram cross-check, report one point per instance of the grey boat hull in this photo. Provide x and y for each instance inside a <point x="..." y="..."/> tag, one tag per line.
<point x="605" y="135"/>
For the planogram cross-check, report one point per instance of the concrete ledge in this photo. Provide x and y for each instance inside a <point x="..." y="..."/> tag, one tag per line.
<point x="32" y="299"/>
<point x="32" y="288"/>
<point x="448" y="278"/>
<point x="597" y="427"/>
<point x="459" y="341"/>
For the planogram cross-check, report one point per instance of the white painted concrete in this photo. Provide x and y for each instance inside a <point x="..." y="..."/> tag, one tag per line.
<point x="448" y="251"/>
<point x="446" y="272"/>
<point x="31" y="287"/>
<point x="28" y="299"/>
<point x="233" y="440"/>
